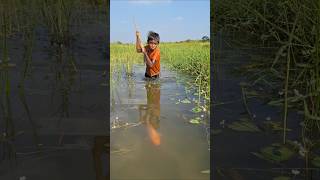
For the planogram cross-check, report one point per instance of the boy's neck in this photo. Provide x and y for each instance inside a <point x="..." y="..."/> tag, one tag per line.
<point x="152" y="49"/>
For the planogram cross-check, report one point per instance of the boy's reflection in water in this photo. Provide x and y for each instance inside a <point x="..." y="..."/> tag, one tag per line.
<point x="150" y="113"/>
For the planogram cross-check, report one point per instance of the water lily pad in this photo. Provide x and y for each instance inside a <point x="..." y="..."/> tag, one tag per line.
<point x="196" y="120"/>
<point x="244" y="125"/>
<point x="316" y="161"/>
<point x="275" y="153"/>
<point x="186" y="101"/>
<point x="282" y="178"/>
<point x="196" y="109"/>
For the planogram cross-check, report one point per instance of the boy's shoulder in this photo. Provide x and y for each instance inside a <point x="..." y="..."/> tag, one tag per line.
<point x="155" y="50"/>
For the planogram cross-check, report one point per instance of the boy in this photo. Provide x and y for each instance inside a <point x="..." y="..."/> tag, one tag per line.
<point x="151" y="53"/>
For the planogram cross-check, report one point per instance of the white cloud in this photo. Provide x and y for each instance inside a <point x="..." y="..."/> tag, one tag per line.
<point x="149" y="1"/>
<point x="179" y="18"/>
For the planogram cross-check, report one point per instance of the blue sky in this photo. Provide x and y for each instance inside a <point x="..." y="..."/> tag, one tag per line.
<point x="174" y="20"/>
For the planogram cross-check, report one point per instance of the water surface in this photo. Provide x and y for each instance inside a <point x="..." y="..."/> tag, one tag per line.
<point x="151" y="136"/>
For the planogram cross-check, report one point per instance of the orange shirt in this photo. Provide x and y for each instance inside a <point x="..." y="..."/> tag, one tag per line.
<point x="153" y="55"/>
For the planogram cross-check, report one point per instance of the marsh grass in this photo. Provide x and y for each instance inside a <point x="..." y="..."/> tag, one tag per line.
<point x="292" y="29"/>
<point x="21" y="19"/>
<point x="189" y="58"/>
<point x="57" y="17"/>
<point x="192" y="58"/>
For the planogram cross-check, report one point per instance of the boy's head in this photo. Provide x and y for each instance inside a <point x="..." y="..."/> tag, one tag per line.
<point x="153" y="39"/>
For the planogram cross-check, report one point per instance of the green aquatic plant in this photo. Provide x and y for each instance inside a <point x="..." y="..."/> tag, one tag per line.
<point x="275" y="153"/>
<point x="274" y="126"/>
<point x="196" y="120"/>
<point x="196" y="109"/>
<point x="244" y="125"/>
<point x="186" y="101"/>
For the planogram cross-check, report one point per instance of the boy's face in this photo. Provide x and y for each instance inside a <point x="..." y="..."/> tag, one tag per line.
<point x="152" y="44"/>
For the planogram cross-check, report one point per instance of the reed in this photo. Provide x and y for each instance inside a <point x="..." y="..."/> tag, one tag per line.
<point x="292" y="29"/>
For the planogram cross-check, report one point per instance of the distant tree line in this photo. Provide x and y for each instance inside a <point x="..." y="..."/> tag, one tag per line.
<point x="203" y="39"/>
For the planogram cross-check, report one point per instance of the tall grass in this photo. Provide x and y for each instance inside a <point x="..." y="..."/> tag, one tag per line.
<point x="292" y="27"/>
<point x="189" y="58"/>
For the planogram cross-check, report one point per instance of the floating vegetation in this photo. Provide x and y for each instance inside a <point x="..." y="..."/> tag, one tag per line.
<point x="196" y="120"/>
<point x="196" y="109"/>
<point x="244" y="125"/>
<point x="121" y="124"/>
<point x="275" y="153"/>
<point x="186" y="101"/>
<point x="274" y="126"/>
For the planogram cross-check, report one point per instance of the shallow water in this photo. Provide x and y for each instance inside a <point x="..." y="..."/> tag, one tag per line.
<point x="151" y="137"/>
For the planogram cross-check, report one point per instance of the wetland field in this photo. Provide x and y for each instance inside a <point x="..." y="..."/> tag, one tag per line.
<point x="160" y="128"/>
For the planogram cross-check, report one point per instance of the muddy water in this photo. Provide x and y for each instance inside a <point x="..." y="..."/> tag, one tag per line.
<point x="60" y="109"/>
<point x="233" y="150"/>
<point x="151" y="137"/>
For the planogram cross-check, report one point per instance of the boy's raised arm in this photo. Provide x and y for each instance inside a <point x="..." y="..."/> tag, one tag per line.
<point x="139" y="45"/>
